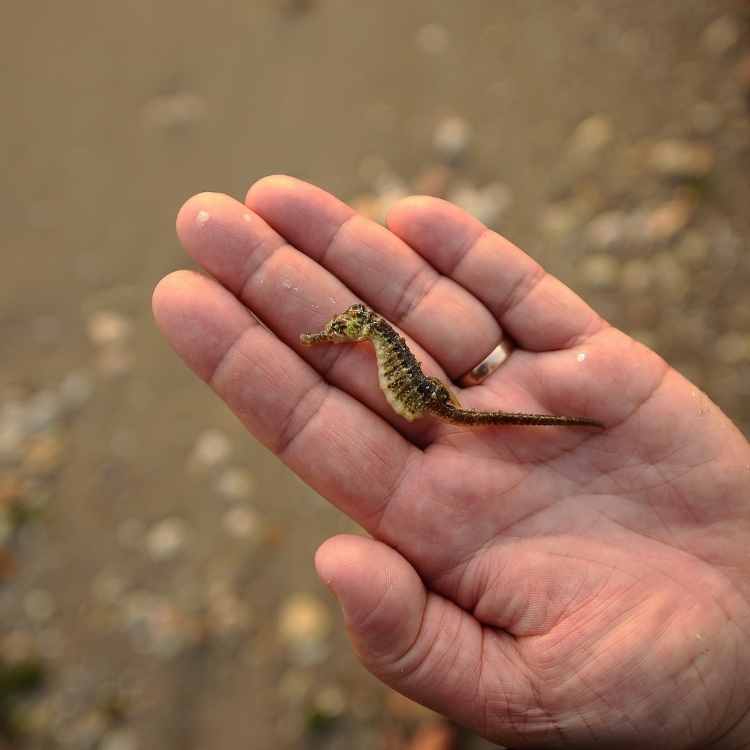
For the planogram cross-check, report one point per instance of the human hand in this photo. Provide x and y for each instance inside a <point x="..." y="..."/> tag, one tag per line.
<point x="545" y="586"/>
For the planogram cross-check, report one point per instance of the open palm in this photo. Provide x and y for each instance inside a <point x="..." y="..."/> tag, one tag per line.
<point x="546" y="586"/>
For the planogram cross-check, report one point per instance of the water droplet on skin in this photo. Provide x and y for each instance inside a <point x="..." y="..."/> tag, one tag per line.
<point x="202" y="217"/>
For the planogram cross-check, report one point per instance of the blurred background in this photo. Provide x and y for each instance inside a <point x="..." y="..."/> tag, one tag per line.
<point x="157" y="583"/>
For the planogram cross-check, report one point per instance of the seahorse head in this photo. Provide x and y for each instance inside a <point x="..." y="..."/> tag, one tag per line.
<point x="350" y="325"/>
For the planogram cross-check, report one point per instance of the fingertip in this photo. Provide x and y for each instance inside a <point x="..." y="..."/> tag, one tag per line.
<point x="196" y="209"/>
<point x="272" y="186"/>
<point x="168" y="293"/>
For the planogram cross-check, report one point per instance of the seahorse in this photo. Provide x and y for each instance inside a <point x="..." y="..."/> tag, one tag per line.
<point x="410" y="392"/>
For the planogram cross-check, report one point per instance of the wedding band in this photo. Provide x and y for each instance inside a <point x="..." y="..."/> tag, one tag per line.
<point x="488" y="365"/>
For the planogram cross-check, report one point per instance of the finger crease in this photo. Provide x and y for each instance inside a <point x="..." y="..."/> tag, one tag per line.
<point x="322" y="258"/>
<point x="521" y="290"/>
<point x="463" y="252"/>
<point x="289" y="432"/>
<point x="413" y="293"/>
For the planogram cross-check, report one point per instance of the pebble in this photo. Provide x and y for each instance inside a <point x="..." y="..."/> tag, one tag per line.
<point x="304" y="626"/>
<point x="212" y="448"/>
<point x="600" y="270"/>
<point x="156" y="627"/>
<point x="241" y="523"/>
<point x="590" y="136"/>
<point x="120" y="739"/>
<point x="330" y="701"/>
<point x="108" y="327"/>
<point x="42" y="410"/>
<point x="166" y="538"/>
<point x="486" y="204"/>
<point x="43" y="454"/>
<point x="39" y="605"/>
<point x="76" y="389"/>
<point x="451" y="138"/>
<point x="115" y="360"/>
<point x="434" y="180"/>
<point x="432" y="38"/>
<point x="670" y="218"/>
<point x="173" y="111"/>
<point x="681" y="159"/>
<point x="721" y="35"/>
<point x="228" y="614"/>
<point x="606" y="229"/>
<point x="236" y="484"/>
<point x="636" y="276"/>
<point x="560" y="219"/>
<point x="670" y="275"/>
<point x="434" y="735"/>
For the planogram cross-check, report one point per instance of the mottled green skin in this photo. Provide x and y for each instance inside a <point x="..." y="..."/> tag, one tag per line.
<point x="409" y="391"/>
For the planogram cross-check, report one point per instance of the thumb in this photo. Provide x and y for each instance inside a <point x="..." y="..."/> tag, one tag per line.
<point x="417" y="642"/>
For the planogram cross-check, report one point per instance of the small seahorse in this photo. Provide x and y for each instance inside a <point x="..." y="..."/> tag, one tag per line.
<point x="409" y="391"/>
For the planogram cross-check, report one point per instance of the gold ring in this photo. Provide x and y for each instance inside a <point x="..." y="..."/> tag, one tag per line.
<point x="488" y="365"/>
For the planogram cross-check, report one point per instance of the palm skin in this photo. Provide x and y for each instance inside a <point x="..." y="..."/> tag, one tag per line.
<point x="548" y="587"/>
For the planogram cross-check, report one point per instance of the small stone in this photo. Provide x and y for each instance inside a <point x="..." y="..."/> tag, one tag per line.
<point x="173" y="111"/>
<point x="670" y="218"/>
<point x="236" y="484"/>
<point x="606" y="229"/>
<point x="76" y="389"/>
<point x="42" y="410"/>
<point x="114" y="360"/>
<point x="681" y="159"/>
<point x="108" y="327"/>
<point x="12" y="434"/>
<point x="434" y="180"/>
<point x="486" y="204"/>
<point x="432" y="39"/>
<point x="560" y="219"/>
<point x="304" y="626"/>
<point x="166" y="538"/>
<point x="120" y="739"/>
<point x="369" y="206"/>
<point x="636" y="276"/>
<point x="228" y="614"/>
<point x="451" y="138"/>
<point x="600" y="270"/>
<point x="211" y="449"/>
<point x="590" y="136"/>
<point x="43" y="454"/>
<point x="39" y="605"/>
<point x="733" y="347"/>
<point x="434" y="735"/>
<point x="241" y="523"/>
<point x="670" y="275"/>
<point x="330" y="702"/>
<point x="721" y="35"/>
